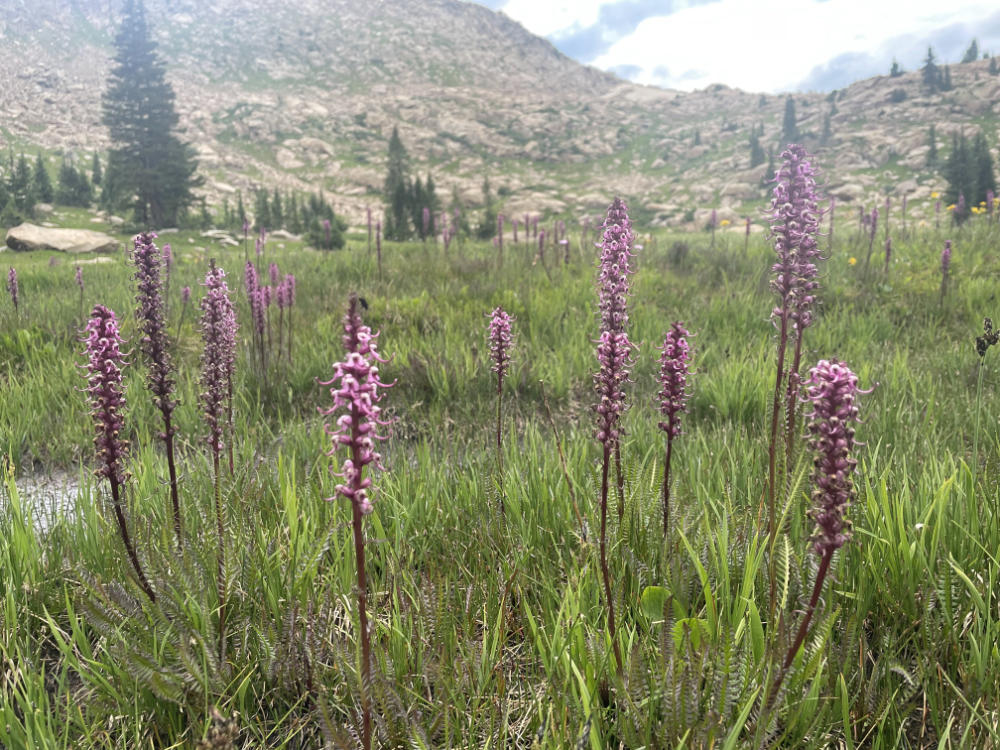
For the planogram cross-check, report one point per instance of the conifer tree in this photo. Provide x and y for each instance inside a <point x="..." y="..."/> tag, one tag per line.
<point x="946" y="79"/>
<point x="397" y="222"/>
<point x="932" y="154"/>
<point x="488" y="224"/>
<point x="241" y="212"/>
<point x="757" y="154"/>
<point x="19" y="186"/>
<point x="277" y="212"/>
<point x="95" y="169"/>
<point x="972" y="53"/>
<point x="74" y="187"/>
<point x="896" y="70"/>
<point x="152" y="168"/>
<point x="262" y="212"/>
<point x="41" y="183"/>
<point x="789" y="128"/>
<point x="982" y="165"/>
<point x="994" y="68"/>
<point x="930" y="73"/>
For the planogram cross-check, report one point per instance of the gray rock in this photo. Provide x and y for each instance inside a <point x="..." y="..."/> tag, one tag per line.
<point x="33" y="237"/>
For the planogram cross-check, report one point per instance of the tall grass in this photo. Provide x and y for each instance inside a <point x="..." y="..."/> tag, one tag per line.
<point x="487" y="634"/>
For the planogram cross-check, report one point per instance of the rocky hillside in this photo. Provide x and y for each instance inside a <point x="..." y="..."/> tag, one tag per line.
<point x="303" y="95"/>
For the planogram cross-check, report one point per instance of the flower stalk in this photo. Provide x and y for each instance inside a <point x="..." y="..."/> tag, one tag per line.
<point x="155" y="345"/>
<point x="105" y="361"/>
<point x="218" y="327"/>
<point x="356" y="398"/>
<point x="673" y="396"/>
<point x="500" y="343"/>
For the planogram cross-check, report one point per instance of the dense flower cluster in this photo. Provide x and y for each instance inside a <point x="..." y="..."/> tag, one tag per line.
<point x="79" y="277"/>
<point x="946" y="258"/>
<point x="149" y="313"/>
<point x="613" y="348"/>
<point x="355" y="393"/>
<point x="251" y="283"/>
<point x="12" y="287"/>
<point x="673" y="393"/>
<point x="500" y="341"/>
<point x="832" y="390"/>
<point x="285" y="292"/>
<point x="794" y="226"/>
<point x="616" y="250"/>
<point x="218" y="358"/>
<point x="104" y="388"/>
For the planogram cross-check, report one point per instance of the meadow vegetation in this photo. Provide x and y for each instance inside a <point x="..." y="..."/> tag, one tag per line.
<point x="489" y="629"/>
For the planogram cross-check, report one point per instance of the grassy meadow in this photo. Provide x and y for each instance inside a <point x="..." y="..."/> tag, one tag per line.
<point x="489" y="630"/>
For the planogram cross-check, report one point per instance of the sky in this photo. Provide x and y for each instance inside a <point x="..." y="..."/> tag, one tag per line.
<point x="765" y="46"/>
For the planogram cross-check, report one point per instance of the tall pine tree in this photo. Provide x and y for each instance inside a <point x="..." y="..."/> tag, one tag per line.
<point x="148" y="165"/>
<point x="42" y="183"/>
<point x="397" y="184"/>
<point x="789" y="127"/>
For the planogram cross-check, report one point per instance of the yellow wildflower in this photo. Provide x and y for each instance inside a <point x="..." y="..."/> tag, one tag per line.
<point x="724" y="223"/>
<point x="852" y="261"/>
<point x="935" y="194"/>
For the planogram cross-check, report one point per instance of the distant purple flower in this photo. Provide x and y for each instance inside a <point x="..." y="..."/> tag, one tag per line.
<point x="326" y="231"/>
<point x="673" y="396"/>
<point x="500" y="234"/>
<point x="218" y="327"/>
<point x="260" y="242"/>
<point x="168" y="257"/>
<point x="888" y="252"/>
<point x="960" y="206"/>
<point x="79" y="277"/>
<point x="500" y="342"/>
<point x="748" y="226"/>
<point x="255" y="296"/>
<point x="274" y="273"/>
<point x="832" y="390"/>
<point x="673" y="393"/>
<point x="946" y="258"/>
<point x="514" y="224"/>
<point x="185" y="295"/>
<point x="425" y="220"/>
<point x="12" y="287"/>
<point x="714" y="221"/>
<point x="149" y="312"/>
<point x="355" y="396"/>
<point x="105" y="361"/>
<point x="794" y="226"/>
<point x="246" y="227"/>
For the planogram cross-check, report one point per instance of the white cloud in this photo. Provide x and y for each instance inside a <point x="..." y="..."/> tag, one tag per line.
<point x="548" y="17"/>
<point x="756" y="45"/>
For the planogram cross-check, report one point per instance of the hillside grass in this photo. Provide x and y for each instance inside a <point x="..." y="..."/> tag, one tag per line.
<point x="489" y="630"/>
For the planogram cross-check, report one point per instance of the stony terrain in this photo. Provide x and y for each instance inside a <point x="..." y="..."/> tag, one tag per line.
<point x="305" y="95"/>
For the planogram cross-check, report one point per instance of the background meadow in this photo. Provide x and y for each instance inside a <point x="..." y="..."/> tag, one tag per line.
<point x="489" y="630"/>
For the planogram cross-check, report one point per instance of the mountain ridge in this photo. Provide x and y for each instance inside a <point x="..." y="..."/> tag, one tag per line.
<point x="306" y="98"/>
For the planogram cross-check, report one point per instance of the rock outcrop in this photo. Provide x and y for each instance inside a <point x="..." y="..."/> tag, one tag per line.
<point x="26" y="236"/>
